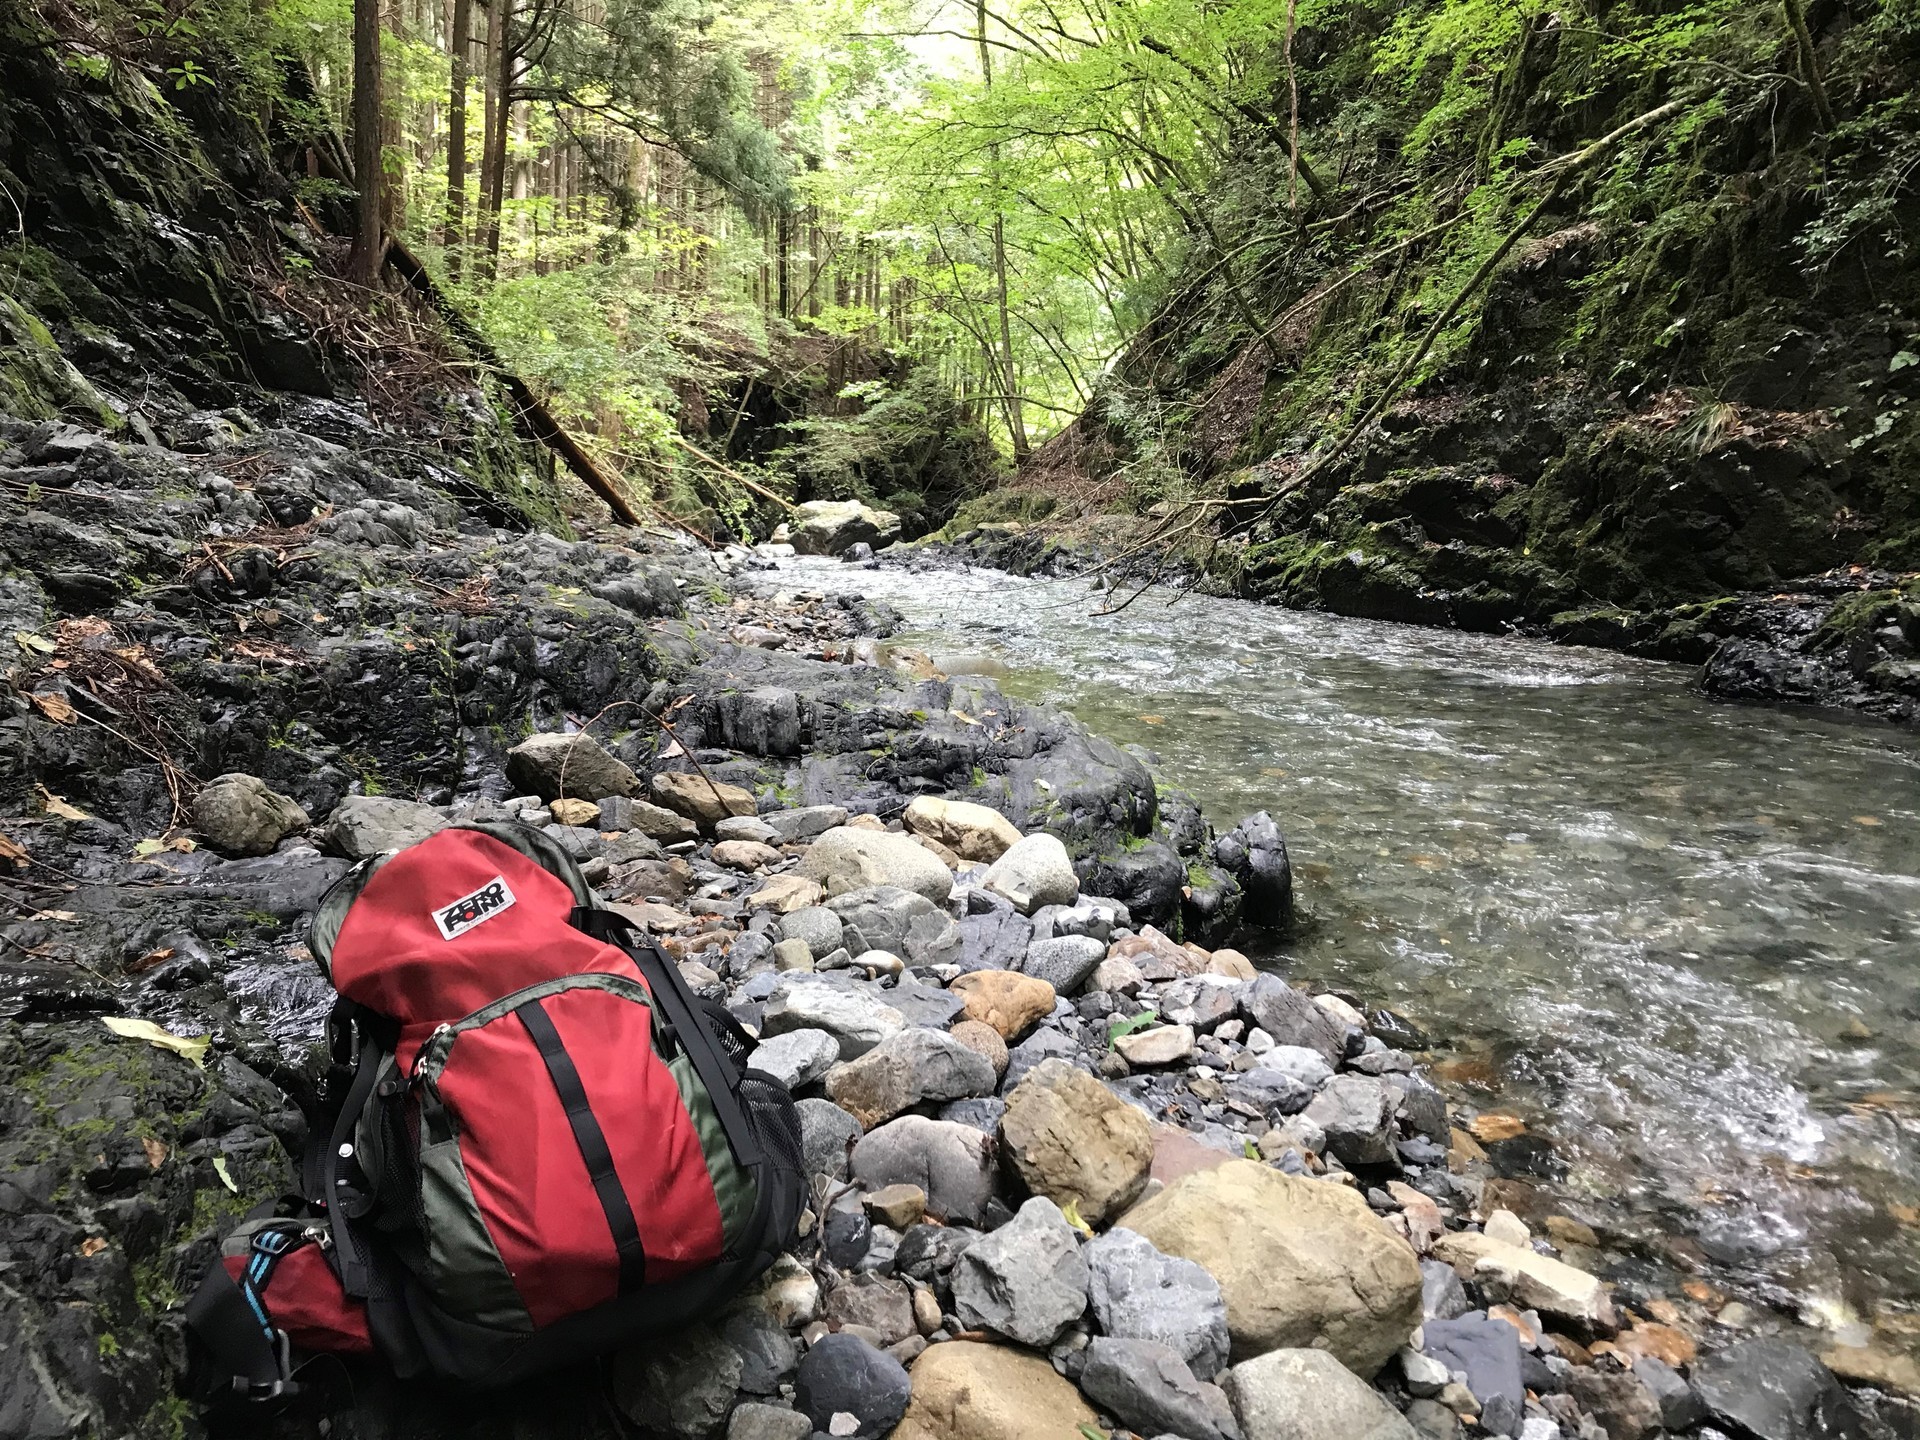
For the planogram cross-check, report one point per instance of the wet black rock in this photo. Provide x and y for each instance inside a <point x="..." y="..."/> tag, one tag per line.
<point x="843" y="1374"/>
<point x="1772" y="1389"/>
<point x="1255" y="853"/>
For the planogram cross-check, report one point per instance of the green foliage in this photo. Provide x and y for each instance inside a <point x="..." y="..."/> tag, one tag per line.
<point x="900" y="449"/>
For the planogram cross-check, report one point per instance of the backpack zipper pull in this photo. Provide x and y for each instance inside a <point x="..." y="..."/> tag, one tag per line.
<point x="440" y="1031"/>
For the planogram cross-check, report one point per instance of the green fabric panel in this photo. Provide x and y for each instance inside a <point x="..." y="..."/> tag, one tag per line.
<point x="463" y="1270"/>
<point x="324" y="928"/>
<point x="733" y="1184"/>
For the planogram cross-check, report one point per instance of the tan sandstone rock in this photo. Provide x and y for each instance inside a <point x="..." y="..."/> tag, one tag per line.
<point x="1011" y="1003"/>
<point x="1302" y="1264"/>
<point x="703" y="802"/>
<point x="1074" y="1141"/>
<point x="968" y="1391"/>
<point x="973" y="832"/>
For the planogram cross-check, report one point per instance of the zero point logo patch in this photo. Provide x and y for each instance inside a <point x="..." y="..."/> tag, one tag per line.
<point x="470" y="910"/>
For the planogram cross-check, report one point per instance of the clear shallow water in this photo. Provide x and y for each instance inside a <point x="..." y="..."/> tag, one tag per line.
<point x="1681" y="938"/>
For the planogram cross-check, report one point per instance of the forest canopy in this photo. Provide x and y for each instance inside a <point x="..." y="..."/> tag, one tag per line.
<point x="1048" y="203"/>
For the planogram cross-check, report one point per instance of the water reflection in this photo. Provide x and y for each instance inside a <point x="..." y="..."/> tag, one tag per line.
<point x="1682" y="937"/>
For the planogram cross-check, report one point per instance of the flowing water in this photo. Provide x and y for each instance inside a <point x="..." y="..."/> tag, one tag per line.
<point x="1680" y="938"/>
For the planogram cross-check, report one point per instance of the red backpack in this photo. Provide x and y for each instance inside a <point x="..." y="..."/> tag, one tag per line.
<point x="543" y="1143"/>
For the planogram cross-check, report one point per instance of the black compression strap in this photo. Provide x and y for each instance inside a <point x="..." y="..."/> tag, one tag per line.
<point x="593" y="1145"/>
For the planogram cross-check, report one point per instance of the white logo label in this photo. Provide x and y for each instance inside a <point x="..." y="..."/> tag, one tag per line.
<point x="470" y="910"/>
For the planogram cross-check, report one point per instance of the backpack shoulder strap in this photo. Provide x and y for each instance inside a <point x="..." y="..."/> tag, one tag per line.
<point x="717" y="1071"/>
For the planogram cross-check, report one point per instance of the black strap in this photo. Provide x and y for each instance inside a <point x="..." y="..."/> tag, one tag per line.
<point x="672" y="997"/>
<point x="593" y="1145"/>
<point x="338" y="1193"/>
<point x="245" y="1344"/>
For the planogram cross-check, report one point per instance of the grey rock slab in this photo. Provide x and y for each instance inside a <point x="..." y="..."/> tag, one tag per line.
<point x="847" y="859"/>
<point x="1138" y="1293"/>
<point x="1087" y="916"/>
<point x="953" y="1163"/>
<point x="1270" y="1090"/>
<point x="1064" y="962"/>
<point x="745" y="827"/>
<point x="363" y="826"/>
<point x="815" y="926"/>
<point x="1026" y="1280"/>
<point x="882" y="1305"/>
<point x="1309" y="1067"/>
<point x="796" y="1057"/>
<point x="1357" y="1113"/>
<point x="1291" y="1018"/>
<point x="844" y="1375"/>
<point x="905" y="1070"/>
<point x="826" y="1134"/>
<point x="1442" y="1296"/>
<point x="995" y="939"/>
<point x="1148" y="1387"/>
<point x="767" y="1352"/>
<point x="685" y="1387"/>
<point x="754" y="1421"/>
<point x="551" y="765"/>
<point x="856" y="1019"/>
<point x="1486" y="1351"/>
<point x="1044" y="1044"/>
<point x="1309" y="1395"/>
<point x="794" y="825"/>
<point x="1680" y="1406"/>
<point x="982" y="1114"/>
<point x="1422" y="1107"/>
<point x="899" y="921"/>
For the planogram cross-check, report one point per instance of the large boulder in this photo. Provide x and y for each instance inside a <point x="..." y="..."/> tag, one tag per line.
<point x="1254" y="852"/>
<point x="1299" y="1262"/>
<point x="830" y="527"/>
<point x="363" y="826"/>
<point x="1035" y="872"/>
<point x="1140" y="1294"/>
<point x="851" y="858"/>
<point x="1074" y="1141"/>
<point x="967" y="1391"/>
<point x="1309" y="1395"/>
<point x="241" y="815"/>
<point x="900" y="922"/>
<point x="906" y="1070"/>
<point x="551" y="766"/>
<point x="1026" y="1280"/>
<point x="973" y="832"/>
<point x="953" y="1163"/>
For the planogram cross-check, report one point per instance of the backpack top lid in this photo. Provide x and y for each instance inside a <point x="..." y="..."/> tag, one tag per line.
<point x="435" y="931"/>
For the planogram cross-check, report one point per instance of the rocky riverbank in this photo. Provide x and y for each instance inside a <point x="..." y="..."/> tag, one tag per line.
<point x="1076" y="1163"/>
<point x="1846" y="639"/>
